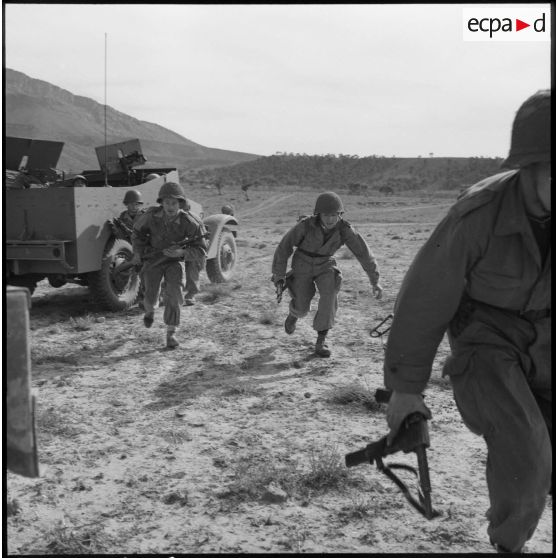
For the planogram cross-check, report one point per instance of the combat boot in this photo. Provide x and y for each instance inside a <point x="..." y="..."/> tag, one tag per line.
<point x="148" y="320"/>
<point x="322" y="349"/>
<point x="189" y="300"/>
<point x="172" y="342"/>
<point x="290" y="324"/>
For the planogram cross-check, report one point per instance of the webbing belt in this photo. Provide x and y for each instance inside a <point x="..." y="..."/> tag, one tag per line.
<point x="420" y="504"/>
<point x="312" y="254"/>
<point x="531" y="315"/>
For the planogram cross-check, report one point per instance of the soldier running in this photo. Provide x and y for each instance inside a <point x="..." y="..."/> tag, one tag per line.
<point x="485" y="277"/>
<point x="316" y="239"/>
<point x="156" y="239"/>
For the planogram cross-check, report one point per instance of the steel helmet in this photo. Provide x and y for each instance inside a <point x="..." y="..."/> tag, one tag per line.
<point x="172" y="190"/>
<point x="530" y="137"/>
<point x="132" y="196"/>
<point x="151" y="176"/>
<point x="79" y="177"/>
<point x="227" y="210"/>
<point x="328" y="202"/>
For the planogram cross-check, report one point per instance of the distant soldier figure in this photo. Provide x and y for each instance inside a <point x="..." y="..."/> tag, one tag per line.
<point x="316" y="239"/>
<point x="159" y="238"/>
<point x="79" y="181"/>
<point x="227" y="209"/>
<point x="219" y="184"/>
<point x="244" y="187"/>
<point x="484" y="277"/>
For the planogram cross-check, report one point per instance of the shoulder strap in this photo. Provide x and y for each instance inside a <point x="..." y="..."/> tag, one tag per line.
<point x="306" y="220"/>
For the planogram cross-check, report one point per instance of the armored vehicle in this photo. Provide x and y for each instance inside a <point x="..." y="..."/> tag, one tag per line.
<point x="64" y="233"/>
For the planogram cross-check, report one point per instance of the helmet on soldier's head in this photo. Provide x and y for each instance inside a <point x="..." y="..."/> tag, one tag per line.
<point x="328" y="202"/>
<point x="79" y="178"/>
<point x="132" y="196"/>
<point x="227" y="210"/>
<point x="172" y="190"/>
<point x="530" y="137"/>
<point x="151" y="176"/>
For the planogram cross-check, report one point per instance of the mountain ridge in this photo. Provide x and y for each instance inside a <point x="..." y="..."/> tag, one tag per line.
<point x="38" y="109"/>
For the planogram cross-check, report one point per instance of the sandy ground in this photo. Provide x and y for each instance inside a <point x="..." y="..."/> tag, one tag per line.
<point x="234" y="442"/>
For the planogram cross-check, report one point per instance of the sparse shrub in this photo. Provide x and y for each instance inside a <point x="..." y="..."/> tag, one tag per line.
<point x="47" y="356"/>
<point x="326" y="471"/>
<point x="82" y="323"/>
<point x="12" y="507"/>
<point x="268" y="315"/>
<point x="254" y="473"/>
<point x="358" y="508"/>
<point x="244" y="390"/>
<point x="52" y="421"/>
<point x="213" y="293"/>
<point x="354" y="393"/>
<point x="66" y="539"/>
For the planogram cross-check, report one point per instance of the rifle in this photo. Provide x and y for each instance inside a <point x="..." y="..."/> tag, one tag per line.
<point x="412" y="436"/>
<point x="185" y="243"/>
<point x="120" y="229"/>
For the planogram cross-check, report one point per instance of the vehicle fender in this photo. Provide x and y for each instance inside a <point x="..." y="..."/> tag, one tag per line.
<point x="215" y="224"/>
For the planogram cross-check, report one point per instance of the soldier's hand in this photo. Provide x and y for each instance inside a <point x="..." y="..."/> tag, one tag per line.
<point x="277" y="280"/>
<point x="174" y="252"/>
<point x="400" y="406"/>
<point x="377" y="290"/>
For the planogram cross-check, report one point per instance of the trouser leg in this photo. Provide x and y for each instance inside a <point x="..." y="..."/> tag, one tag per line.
<point x="174" y="281"/>
<point x="495" y="400"/>
<point x="302" y="290"/>
<point x="192" y="269"/>
<point x="152" y="277"/>
<point x="328" y="284"/>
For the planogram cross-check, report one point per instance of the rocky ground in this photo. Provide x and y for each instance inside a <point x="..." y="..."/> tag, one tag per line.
<point x="235" y="441"/>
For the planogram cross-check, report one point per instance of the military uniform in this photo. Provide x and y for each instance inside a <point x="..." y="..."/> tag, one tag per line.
<point x="194" y="263"/>
<point x="153" y="232"/>
<point x="484" y="276"/>
<point x="313" y="266"/>
<point x="129" y="219"/>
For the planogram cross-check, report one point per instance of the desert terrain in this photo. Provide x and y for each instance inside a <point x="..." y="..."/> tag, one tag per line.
<point x="235" y="441"/>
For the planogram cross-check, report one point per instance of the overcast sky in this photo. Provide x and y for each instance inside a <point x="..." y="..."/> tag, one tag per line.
<point x="356" y="79"/>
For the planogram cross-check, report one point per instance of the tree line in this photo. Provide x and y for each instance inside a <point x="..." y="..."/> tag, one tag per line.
<point x="350" y="171"/>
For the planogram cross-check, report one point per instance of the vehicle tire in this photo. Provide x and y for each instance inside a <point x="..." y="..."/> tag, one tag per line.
<point x="115" y="291"/>
<point x="221" y="268"/>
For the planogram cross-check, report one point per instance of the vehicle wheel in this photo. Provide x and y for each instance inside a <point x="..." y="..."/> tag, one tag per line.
<point x="221" y="268"/>
<point x="115" y="290"/>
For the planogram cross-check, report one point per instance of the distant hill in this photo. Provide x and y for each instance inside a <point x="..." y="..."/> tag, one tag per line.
<point x="358" y="174"/>
<point x="39" y="110"/>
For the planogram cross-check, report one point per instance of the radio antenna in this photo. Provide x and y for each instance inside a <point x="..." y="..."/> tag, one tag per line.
<point x="106" y="170"/>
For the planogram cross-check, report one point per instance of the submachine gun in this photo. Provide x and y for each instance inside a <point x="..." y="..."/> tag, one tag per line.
<point x="412" y="436"/>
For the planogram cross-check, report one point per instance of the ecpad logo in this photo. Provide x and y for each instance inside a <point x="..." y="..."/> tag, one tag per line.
<point x="506" y="24"/>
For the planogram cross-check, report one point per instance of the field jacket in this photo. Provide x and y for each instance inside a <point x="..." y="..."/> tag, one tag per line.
<point x="153" y="233"/>
<point x="128" y="220"/>
<point x="316" y="248"/>
<point x="483" y="250"/>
